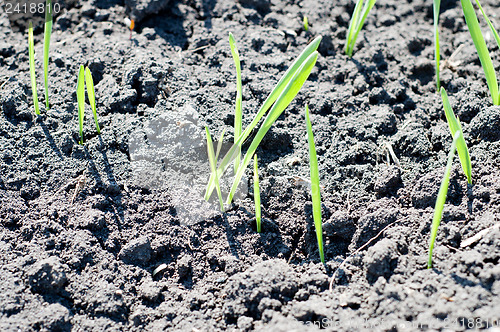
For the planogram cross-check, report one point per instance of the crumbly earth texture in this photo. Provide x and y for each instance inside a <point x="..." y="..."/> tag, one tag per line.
<point x="84" y="260"/>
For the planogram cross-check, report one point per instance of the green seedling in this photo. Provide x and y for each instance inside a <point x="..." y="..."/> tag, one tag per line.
<point x="441" y="198"/>
<point x="46" y="47"/>
<point x="256" y="193"/>
<point x="481" y="48"/>
<point x="237" y="110"/>
<point x="305" y="21"/>
<point x="89" y="81"/>
<point x="315" y="189"/>
<point x="357" y="21"/>
<point x="454" y="124"/>
<point x="80" y="99"/>
<point x="281" y="96"/>
<point x="436" y="7"/>
<point x="31" y="51"/>
<point x="213" y="166"/>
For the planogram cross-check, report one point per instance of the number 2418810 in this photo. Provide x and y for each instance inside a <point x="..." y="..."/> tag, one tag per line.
<point x="29" y="8"/>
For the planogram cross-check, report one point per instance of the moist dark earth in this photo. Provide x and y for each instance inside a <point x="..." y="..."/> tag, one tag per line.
<point x="86" y="261"/>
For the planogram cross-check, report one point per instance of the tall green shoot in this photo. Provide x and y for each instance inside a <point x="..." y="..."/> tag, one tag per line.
<point x="239" y="96"/>
<point x="80" y="99"/>
<point x="357" y="21"/>
<point x="437" y="55"/>
<point x="31" y="51"/>
<point x="291" y="73"/>
<point x="481" y="48"/>
<point x="256" y="194"/>
<point x="213" y="166"/>
<point x="46" y="47"/>
<point x="454" y="124"/>
<point x="315" y="189"/>
<point x="441" y="198"/>
<point x="89" y="81"/>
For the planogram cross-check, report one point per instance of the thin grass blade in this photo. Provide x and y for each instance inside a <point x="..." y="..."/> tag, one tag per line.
<point x="278" y="89"/>
<point x="213" y="166"/>
<point x="315" y="189"/>
<point x="454" y="124"/>
<point x="437" y="53"/>
<point x="237" y="110"/>
<point x="256" y="194"/>
<point x="441" y="198"/>
<point x="352" y="27"/>
<point x="305" y="22"/>
<point x="482" y="50"/>
<point x="359" y="22"/>
<point x="46" y="47"/>
<point x="80" y="99"/>
<point x="283" y="101"/>
<point x="89" y="81"/>
<point x="492" y="28"/>
<point x="31" y="51"/>
<point x="219" y="144"/>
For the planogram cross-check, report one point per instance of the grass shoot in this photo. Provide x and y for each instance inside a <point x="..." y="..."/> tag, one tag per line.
<point x="89" y="81"/>
<point x="237" y="110"/>
<point x="46" y="47"/>
<point x="315" y="189"/>
<point x="441" y="198"/>
<point x="481" y="48"/>
<point x="281" y="96"/>
<point x="357" y="21"/>
<point x="213" y="166"/>
<point x="454" y="124"/>
<point x="31" y="51"/>
<point x="437" y="55"/>
<point x="256" y="194"/>
<point x="305" y="21"/>
<point x="80" y="98"/>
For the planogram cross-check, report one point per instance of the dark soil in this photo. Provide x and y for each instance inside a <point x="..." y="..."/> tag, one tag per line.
<point x="86" y="264"/>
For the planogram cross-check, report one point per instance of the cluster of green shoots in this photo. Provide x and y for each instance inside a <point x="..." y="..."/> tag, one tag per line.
<point x="85" y="78"/>
<point x="460" y="146"/>
<point x="84" y="75"/>
<point x="277" y="101"/>
<point x="358" y="18"/>
<point x="46" y="48"/>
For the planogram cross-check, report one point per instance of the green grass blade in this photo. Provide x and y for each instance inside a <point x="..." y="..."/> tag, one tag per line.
<point x="80" y="99"/>
<point x="454" y="124"/>
<point x="441" y="198"/>
<point x="352" y="27"/>
<point x="213" y="166"/>
<point x="283" y="101"/>
<point x="437" y="53"/>
<point x="46" y="47"/>
<point x="237" y="110"/>
<point x="358" y="19"/>
<point x="492" y="28"/>
<point x="256" y="194"/>
<point x="278" y="89"/>
<point x="482" y="50"/>
<point x="305" y="21"/>
<point x="31" y="51"/>
<point x="315" y="189"/>
<point x="91" y="93"/>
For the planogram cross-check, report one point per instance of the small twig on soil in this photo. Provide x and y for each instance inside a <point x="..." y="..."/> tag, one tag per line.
<point x="197" y="49"/>
<point x="358" y="250"/>
<point x="478" y="236"/>
<point x="450" y="63"/>
<point x="80" y="183"/>
<point x="4" y="83"/>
